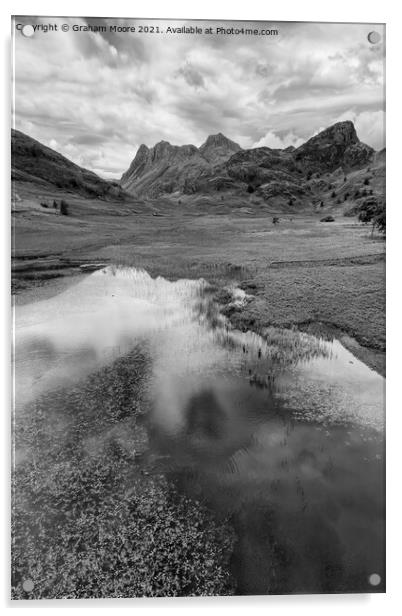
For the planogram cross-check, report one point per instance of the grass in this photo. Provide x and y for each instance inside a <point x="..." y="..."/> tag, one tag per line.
<point x="304" y="271"/>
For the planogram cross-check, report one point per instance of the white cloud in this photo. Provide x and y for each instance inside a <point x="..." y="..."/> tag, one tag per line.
<point x="99" y="96"/>
<point x="370" y="126"/>
<point x="271" y="140"/>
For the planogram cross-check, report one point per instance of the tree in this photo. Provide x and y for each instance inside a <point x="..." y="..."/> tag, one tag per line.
<point x="333" y="194"/>
<point x="275" y="220"/>
<point x="366" y="181"/>
<point x="64" y="208"/>
<point x="55" y="204"/>
<point x="373" y="212"/>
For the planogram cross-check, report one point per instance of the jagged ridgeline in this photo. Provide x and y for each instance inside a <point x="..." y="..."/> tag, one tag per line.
<point x="222" y="165"/>
<point x="330" y="168"/>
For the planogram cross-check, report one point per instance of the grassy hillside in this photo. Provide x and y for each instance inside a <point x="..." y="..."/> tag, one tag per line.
<point x="31" y="161"/>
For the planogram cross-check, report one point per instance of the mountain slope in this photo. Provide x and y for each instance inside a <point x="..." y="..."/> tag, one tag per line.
<point x="31" y="161"/>
<point x="335" y="146"/>
<point x="218" y="148"/>
<point x="155" y="170"/>
<point x="166" y="168"/>
<point x="222" y="165"/>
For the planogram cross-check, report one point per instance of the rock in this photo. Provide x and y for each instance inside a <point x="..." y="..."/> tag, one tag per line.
<point x="327" y="219"/>
<point x="218" y="148"/>
<point x="166" y="168"/>
<point x="336" y="146"/>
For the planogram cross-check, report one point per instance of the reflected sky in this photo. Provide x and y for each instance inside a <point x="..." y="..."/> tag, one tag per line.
<point x="282" y="432"/>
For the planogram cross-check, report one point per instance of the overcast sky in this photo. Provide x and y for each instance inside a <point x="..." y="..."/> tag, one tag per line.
<point x="95" y="97"/>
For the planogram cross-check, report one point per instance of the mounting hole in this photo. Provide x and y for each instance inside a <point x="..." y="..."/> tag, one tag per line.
<point x="28" y="30"/>
<point x="374" y="579"/>
<point x="374" y="37"/>
<point x="28" y="585"/>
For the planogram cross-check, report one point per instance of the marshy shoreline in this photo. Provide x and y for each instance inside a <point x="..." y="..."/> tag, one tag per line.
<point x="367" y="344"/>
<point x="64" y="480"/>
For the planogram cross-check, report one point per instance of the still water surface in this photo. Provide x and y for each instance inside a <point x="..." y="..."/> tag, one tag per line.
<point x="282" y="434"/>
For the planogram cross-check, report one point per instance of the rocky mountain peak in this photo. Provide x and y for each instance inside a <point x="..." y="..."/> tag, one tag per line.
<point x="161" y="149"/>
<point x="218" y="140"/>
<point x="341" y="133"/>
<point x="336" y="146"/>
<point x="218" y="147"/>
<point x="220" y="164"/>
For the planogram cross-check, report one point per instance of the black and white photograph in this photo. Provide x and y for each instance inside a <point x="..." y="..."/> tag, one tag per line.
<point x="198" y="308"/>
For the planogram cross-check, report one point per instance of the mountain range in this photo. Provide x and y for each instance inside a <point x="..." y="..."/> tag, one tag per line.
<point x="222" y="165"/>
<point x="279" y="177"/>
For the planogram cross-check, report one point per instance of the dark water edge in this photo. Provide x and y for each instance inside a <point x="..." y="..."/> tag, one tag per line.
<point x="78" y="464"/>
<point x="302" y="523"/>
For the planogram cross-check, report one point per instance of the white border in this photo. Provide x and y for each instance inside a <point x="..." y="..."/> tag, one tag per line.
<point x="310" y="10"/>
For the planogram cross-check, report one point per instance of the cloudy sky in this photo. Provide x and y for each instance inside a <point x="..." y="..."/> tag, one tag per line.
<point x="95" y="97"/>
